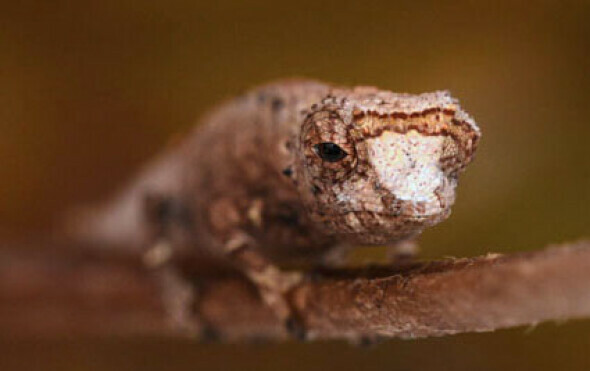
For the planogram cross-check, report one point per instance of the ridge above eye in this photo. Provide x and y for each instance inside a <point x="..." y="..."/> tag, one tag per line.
<point x="330" y="152"/>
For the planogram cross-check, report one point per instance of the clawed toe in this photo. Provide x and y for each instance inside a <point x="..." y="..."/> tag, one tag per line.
<point x="296" y="328"/>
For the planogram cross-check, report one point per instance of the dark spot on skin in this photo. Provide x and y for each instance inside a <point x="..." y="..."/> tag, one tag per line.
<point x="316" y="190"/>
<point x="277" y="104"/>
<point x="289" y="216"/>
<point x="166" y="211"/>
<point x="288" y="171"/>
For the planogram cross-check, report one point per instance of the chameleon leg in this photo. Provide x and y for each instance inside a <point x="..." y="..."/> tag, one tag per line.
<point x="272" y="283"/>
<point x="402" y="251"/>
<point x="229" y="218"/>
<point x="179" y="297"/>
<point x="169" y="221"/>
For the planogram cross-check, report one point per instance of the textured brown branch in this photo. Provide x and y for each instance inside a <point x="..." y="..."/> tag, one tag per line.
<point x="57" y="292"/>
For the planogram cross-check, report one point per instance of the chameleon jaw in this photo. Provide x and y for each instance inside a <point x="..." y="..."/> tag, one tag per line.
<point x="368" y="227"/>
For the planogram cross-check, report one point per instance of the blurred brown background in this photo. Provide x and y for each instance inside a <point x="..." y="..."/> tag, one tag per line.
<point x="90" y="90"/>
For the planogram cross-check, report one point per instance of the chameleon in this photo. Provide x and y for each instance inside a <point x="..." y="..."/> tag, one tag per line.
<point x="295" y="171"/>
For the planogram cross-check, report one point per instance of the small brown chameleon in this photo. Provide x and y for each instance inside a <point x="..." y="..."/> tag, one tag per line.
<point x="295" y="170"/>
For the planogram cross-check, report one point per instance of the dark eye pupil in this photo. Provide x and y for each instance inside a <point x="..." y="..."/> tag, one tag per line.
<point x="330" y="152"/>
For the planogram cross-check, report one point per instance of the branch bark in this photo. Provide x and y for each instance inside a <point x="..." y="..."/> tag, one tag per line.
<point x="63" y="292"/>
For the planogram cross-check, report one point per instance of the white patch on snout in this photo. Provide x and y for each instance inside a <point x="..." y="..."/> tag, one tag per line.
<point x="408" y="164"/>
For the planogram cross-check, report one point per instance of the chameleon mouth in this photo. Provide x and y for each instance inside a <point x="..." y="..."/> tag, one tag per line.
<point x="363" y="221"/>
<point x="373" y="228"/>
<point x="402" y="210"/>
<point x="389" y="215"/>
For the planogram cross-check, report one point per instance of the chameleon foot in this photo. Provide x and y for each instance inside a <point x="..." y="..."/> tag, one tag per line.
<point x="296" y="328"/>
<point x="274" y="285"/>
<point x="402" y="252"/>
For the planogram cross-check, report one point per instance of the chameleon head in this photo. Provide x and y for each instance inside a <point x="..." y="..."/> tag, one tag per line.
<point x="377" y="167"/>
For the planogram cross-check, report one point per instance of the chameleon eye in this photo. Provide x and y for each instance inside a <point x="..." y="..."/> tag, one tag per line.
<point x="330" y="152"/>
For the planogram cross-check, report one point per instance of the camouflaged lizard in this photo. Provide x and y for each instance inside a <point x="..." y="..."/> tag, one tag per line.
<point x="294" y="171"/>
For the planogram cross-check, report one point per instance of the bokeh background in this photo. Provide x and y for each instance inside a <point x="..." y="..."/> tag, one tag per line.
<point x="90" y="90"/>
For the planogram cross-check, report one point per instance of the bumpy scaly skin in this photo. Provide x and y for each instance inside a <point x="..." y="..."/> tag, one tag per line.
<point x="251" y="185"/>
<point x="399" y="177"/>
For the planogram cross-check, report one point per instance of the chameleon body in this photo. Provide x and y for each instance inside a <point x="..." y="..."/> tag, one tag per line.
<point x="292" y="170"/>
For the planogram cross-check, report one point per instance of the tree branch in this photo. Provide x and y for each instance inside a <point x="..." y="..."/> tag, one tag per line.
<point x="57" y="291"/>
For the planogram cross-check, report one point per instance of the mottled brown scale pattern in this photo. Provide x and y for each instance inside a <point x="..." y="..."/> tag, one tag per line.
<point x="291" y="170"/>
<point x="259" y="148"/>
